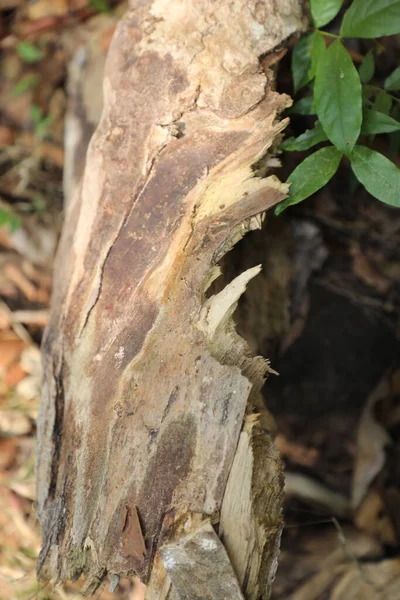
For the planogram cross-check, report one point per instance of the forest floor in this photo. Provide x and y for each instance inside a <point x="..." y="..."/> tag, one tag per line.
<point x="326" y="312"/>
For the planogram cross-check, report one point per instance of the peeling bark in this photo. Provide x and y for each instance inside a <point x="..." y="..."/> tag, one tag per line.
<point x="147" y="385"/>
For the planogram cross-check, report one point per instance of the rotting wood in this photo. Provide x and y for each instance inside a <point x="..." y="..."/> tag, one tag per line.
<point x="251" y="524"/>
<point x="199" y="567"/>
<point x="146" y="381"/>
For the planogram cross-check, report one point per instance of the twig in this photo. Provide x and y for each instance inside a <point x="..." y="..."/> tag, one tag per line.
<point x="19" y="329"/>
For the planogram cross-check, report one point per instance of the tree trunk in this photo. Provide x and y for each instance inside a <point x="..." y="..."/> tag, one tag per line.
<point x="148" y="432"/>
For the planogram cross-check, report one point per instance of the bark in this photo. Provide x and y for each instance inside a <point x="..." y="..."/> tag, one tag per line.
<point x="147" y="431"/>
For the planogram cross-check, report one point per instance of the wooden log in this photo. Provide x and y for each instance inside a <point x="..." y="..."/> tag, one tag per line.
<point x="146" y="383"/>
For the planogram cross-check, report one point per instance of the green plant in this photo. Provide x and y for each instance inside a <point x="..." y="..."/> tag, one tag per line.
<point x="101" y="5"/>
<point x="9" y="219"/>
<point x="41" y="123"/>
<point x="25" y="84"/>
<point x="29" y="53"/>
<point x="349" y="110"/>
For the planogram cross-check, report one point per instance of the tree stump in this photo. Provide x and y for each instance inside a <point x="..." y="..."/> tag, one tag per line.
<point x="148" y="436"/>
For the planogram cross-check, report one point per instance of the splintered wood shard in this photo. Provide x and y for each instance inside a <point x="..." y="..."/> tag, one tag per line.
<point x="146" y="383"/>
<point x="199" y="567"/>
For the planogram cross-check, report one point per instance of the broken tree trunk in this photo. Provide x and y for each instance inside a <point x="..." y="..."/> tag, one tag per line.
<point x="147" y="430"/>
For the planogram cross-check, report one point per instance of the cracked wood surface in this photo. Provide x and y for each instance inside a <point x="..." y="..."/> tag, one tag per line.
<point x="146" y="381"/>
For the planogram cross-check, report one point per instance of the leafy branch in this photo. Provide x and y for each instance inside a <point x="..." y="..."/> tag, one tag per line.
<point x="350" y="110"/>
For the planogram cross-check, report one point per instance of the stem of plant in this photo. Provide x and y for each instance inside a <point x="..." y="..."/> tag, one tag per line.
<point x="331" y="35"/>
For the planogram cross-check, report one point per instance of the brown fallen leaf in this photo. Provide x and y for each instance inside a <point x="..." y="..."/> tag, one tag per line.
<point x="46" y="8"/>
<point x="14" y="375"/>
<point x="296" y="452"/>
<point x="5" y="320"/>
<point x="16" y="276"/>
<point x="391" y="498"/>
<point x="35" y="241"/>
<point x="14" y="423"/>
<point x="314" y="550"/>
<point x="354" y="581"/>
<point x="373" y="518"/>
<point x="7" y="136"/>
<point x="371" y="441"/>
<point x="10" y="350"/>
<point x="10" y="3"/>
<point x="8" y="452"/>
<point x="25" y="489"/>
<point x="78" y="4"/>
<point x="52" y="152"/>
<point x="41" y="278"/>
<point x="315" y="588"/>
<point x="14" y="528"/>
<point x="374" y="581"/>
<point x="48" y="150"/>
<point x="367" y="272"/>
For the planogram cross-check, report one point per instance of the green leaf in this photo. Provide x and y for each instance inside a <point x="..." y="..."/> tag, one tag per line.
<point x="42" y="128"/>
<point x="367" y="92"/>
<point x="306" y="140"/>
<point x="394" y="138"/>
<point x="323" y="11"/>
<point x="311" y="175"/>
<point x="39" y="202"/>
<point x="29" y="53"/>
<point x="301" y="62"/>
<point x="378" y="174"/>
<point x="371" y="18"/>
<point x="8" y="219"/>
<point x="383" y="102"/>
<point x="337" y="97"/>
<point x="25" y="84"/>
<point x="367" y="68"/>
<point x="101" y="5"/>
<point x="317" y="50"/>
<point x="305" y="57"/>
<point x="377" y="122"/>
<point x="36" y="113"/>
<point x="304" y="106"/>
<point x="393" y="81"/>
<point x="41" y="123"/>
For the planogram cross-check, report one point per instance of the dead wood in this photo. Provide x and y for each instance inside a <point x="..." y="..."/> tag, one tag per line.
<point x="147" y="385"/>
<point x="199" y="567"/>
